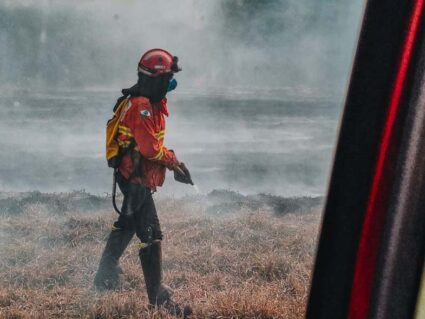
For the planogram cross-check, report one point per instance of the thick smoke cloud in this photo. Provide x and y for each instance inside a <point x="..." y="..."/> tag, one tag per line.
<point x="256" y="108"/>
<point x="225" y="45"/>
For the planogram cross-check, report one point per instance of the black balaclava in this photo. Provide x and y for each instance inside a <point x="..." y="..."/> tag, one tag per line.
<point x="154" y="88"/>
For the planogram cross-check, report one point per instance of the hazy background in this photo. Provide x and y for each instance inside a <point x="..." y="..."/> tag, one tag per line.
<point x="256" y="109"/>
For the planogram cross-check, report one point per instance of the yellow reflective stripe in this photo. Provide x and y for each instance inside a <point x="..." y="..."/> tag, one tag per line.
<point x="160" y="135"/>
<point x="124" y="128"/>
<point x="125" y="131"/>
<point x="159" y="155"/>
<point x="127" y="134"/>
<point x="124" y="143"/>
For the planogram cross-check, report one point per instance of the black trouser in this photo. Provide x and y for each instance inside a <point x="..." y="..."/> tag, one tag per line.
<point x="138" y="215"/>
<point x="138" y="212"/>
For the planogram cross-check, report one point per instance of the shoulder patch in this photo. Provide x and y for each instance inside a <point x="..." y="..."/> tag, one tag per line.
<point x="145" y="113"/>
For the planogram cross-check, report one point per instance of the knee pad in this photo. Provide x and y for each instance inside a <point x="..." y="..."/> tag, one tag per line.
<point x="146" y="235"/>
<point x="149" y="235"/>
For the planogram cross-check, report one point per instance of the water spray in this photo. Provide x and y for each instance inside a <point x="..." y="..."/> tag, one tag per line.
<point x="196" y="188"/>
<point x="188" y="179"/>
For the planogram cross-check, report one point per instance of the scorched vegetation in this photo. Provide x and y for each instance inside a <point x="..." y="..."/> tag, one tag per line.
<point x="228" y="255"/>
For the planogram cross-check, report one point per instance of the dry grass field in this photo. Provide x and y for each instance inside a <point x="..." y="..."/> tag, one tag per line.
<point x="227" y="255"/>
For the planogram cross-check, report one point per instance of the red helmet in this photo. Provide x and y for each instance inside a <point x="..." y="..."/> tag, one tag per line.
<point x="156" y="62"/>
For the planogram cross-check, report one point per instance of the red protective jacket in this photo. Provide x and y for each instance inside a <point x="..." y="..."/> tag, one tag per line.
<point x="144" y="123"/>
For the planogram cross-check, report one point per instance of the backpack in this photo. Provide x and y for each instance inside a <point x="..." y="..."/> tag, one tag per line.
<point x="113" y="152"/>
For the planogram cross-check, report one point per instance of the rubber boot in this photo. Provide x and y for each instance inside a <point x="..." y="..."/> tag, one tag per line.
<point x="158" y="293"/>
<point x="107" y="276"/>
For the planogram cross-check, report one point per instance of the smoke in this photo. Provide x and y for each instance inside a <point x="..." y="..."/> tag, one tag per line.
<point x="255" y="110"/>
<point x="223" y="45"/>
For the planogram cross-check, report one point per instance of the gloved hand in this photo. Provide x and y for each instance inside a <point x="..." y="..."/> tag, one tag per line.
<point x="182" y="175"/>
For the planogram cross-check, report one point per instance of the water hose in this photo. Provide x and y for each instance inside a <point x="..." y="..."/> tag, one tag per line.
<point x="114" y="191"/>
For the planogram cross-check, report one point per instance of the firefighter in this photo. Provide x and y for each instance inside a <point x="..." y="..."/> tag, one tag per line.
<point x="141" y="170"/>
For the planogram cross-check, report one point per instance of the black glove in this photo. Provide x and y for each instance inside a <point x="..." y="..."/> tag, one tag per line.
<point x="182" y="175"/>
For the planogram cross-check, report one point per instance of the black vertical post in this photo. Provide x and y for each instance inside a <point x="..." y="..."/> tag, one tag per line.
<point x="380" y="48"/>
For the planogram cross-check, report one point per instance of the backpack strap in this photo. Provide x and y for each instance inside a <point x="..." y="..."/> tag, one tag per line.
<point x="119" y="101"/>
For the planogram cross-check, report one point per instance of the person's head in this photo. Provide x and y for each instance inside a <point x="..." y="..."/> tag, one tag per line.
<point x="155" y="70"/>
